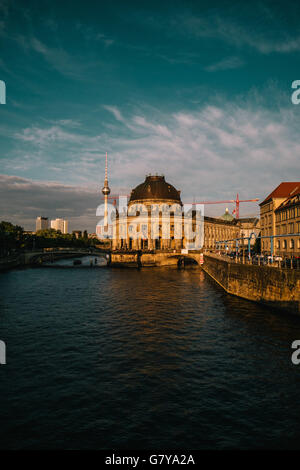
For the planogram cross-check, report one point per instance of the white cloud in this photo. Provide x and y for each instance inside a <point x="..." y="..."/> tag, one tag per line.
<point x="42" y="137"/>
<point x="22" y="200"/>
<point x="115" y="111"/>
<point x="265" y="41"/>
<point x="227" y="63"/>
<point x="212" y="152"/>
<point x="155" y="128"/>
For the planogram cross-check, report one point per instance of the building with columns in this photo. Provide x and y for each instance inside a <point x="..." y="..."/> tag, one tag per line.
<point x="152" y="206"/>
<point x="154" y="221"/>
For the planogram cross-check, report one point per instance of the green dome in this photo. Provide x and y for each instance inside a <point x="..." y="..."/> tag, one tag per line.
<point x="227" y="215"/>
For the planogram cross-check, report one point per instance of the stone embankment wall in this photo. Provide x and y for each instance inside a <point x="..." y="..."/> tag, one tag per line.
<point x="163" y="258"/>
<point x="144" y="259"/>
<point x="278" y="288"/>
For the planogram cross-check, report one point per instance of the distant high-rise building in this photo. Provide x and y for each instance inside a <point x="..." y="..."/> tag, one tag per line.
<point x="60" y="224"/>
<point x="66" y="226"/>
<point x="42" y="223"/>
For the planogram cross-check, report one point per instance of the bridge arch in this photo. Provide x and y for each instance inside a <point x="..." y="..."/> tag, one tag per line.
<point x="37" y="258"/>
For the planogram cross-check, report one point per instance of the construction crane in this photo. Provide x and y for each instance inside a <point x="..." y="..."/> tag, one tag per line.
<point x="237" y="202"/>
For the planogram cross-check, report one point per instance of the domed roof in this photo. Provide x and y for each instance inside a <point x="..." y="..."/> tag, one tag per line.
<point x="155" y="187"/>
<point x="227" y="216"/>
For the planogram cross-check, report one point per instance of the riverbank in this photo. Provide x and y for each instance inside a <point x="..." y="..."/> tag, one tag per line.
<point x="39" y="258"/>
<point x="278" y="288"/>
<point x="10" y="263"/>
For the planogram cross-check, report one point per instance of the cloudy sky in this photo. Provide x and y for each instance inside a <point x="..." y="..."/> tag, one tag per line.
<point x="197" y="91"/>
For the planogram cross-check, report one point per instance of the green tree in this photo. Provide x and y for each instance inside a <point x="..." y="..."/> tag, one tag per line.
<point x="11" y="237"/>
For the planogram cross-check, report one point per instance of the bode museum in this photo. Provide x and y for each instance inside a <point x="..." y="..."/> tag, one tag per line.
<point x="156" y="219"/>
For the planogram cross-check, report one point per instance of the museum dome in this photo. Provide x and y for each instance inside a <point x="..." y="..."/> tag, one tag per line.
<point x="155" y="187"/>
<point x="227" y="216"/>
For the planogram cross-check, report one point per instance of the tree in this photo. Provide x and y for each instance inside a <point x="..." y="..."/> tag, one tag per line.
<point x="11" y="237"/>
<point x="257" y="245"/>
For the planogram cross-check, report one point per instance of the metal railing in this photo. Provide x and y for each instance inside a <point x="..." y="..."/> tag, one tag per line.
<point x="289" y="260"/>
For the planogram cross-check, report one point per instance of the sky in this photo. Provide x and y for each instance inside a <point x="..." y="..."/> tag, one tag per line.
<point x="197" y="91"/>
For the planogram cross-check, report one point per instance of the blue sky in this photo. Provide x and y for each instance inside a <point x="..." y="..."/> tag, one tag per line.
<point x="197" y="91"/>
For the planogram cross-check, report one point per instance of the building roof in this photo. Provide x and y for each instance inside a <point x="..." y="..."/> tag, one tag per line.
<point x="253" y="220"/>
<point x="155" y="187"/>
<point x="292" y="200"/>
<point x="227" y="215"/>
<point x="283" y="190"/>
<point x="219" y="220"/>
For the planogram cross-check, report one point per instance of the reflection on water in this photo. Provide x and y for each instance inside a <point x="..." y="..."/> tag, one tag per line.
<point x="116" y="358"/>
<point x="82" y="261"/>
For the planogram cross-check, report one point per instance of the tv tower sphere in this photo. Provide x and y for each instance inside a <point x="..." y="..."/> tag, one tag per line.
<point x="105" y="189"/>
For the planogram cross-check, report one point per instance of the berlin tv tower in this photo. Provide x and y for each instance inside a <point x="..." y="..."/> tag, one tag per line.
<point x="105" y="192"/>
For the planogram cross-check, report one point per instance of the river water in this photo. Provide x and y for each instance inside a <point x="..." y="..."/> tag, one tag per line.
<point x="121" y="358"/>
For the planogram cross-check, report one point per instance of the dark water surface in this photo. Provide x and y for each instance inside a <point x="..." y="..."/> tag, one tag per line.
<point x="116" y="358"/>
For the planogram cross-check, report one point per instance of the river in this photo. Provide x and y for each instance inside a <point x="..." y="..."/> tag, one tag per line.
<point x="152" y="358"/>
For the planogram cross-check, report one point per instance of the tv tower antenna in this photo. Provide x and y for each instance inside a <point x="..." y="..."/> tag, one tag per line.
<point x="105" y="192"/>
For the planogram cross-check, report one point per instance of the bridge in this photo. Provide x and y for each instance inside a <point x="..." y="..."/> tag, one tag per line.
<point x="139" y="258"/>
<point x="38" y="256"/>
<point x="128" y="258"/>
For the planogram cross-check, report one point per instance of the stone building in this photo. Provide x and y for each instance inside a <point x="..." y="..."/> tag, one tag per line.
<point x="218" y="229"/>
<point x="249" y="227"/>
<point x="154" y="221"/>
<point x="268" y="221"/>
<point x="152" y="204"/>
<point x="287" y="220"/>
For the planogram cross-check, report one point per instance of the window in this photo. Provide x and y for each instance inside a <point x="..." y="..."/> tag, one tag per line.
<point x="291" y="228"/>
<point x="292" y="244"/>
<point x="284" y="244"/>
<point x="278" y="244"/>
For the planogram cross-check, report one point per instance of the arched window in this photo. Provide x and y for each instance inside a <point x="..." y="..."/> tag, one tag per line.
<point x="278" y="244"/>
<point x="284" y="244"/>
<point x="292" y="244"/>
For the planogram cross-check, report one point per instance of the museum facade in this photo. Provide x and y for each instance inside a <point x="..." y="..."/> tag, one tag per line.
<point x="156" y="219"/>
